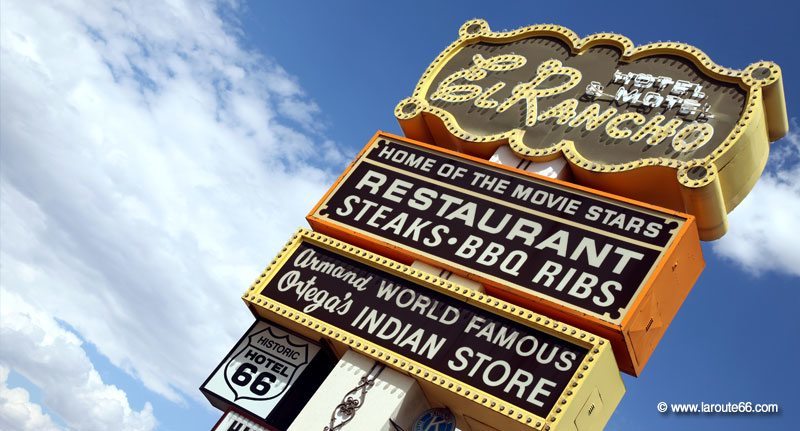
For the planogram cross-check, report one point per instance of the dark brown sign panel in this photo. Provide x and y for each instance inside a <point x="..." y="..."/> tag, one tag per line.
<point x="527" y="236"/>
<point x="476" y="350"/>
<point x="516" y="229"/>
<point x="504" y="358"/>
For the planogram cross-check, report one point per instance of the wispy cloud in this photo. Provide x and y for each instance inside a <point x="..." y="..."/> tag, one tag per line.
<point x="763" y="229"/>
<point x="150" y="167"/>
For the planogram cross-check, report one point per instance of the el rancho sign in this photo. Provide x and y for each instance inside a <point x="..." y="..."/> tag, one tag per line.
<point x="619" y="114"/>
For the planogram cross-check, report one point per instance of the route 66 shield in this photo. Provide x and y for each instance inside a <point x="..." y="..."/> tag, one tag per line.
<point x="265" y="366"/>
<point x="258" y="372"/>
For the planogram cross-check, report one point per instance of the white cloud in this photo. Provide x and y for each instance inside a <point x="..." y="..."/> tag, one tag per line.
<point x="53" y="359"/>
<point x="17" y="412"/>
<point x="150" y="168"/>
<point x="763" y="229"/>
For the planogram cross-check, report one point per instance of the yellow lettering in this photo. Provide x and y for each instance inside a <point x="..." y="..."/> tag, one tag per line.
<point x="483" y="101"/>
<point x="454" y="93"/>
<point x="530" y="91"/>
<point x="449" y="91"/>
<point x="564" y="111"/>
<point x="692" y="137"/>
<point x="657" y="131"/>
<point x="613" y="130"/>
<point x="592" y="116"/>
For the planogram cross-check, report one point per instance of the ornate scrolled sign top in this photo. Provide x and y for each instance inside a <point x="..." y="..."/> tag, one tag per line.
<point x="660" y="123"/>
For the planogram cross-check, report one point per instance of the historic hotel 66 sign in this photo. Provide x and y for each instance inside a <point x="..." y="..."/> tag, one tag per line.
<point x="256" y="375"/>
<point x="660" y="123"/>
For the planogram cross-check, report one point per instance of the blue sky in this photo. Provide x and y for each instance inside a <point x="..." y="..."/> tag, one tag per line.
<point x="154" y="157"/>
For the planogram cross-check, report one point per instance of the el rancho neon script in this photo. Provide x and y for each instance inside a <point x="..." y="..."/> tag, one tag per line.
<point x="689" y="130"/>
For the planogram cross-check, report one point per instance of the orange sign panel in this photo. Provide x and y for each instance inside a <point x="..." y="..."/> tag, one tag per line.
<point x="614" y="267"/>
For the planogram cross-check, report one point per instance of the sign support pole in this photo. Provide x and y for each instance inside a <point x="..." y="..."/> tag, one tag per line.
<point x="556" y="168"/>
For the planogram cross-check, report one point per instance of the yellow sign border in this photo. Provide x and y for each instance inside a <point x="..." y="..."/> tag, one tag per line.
<point x="599" y="355"/>
<point x="728" y="173"/>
